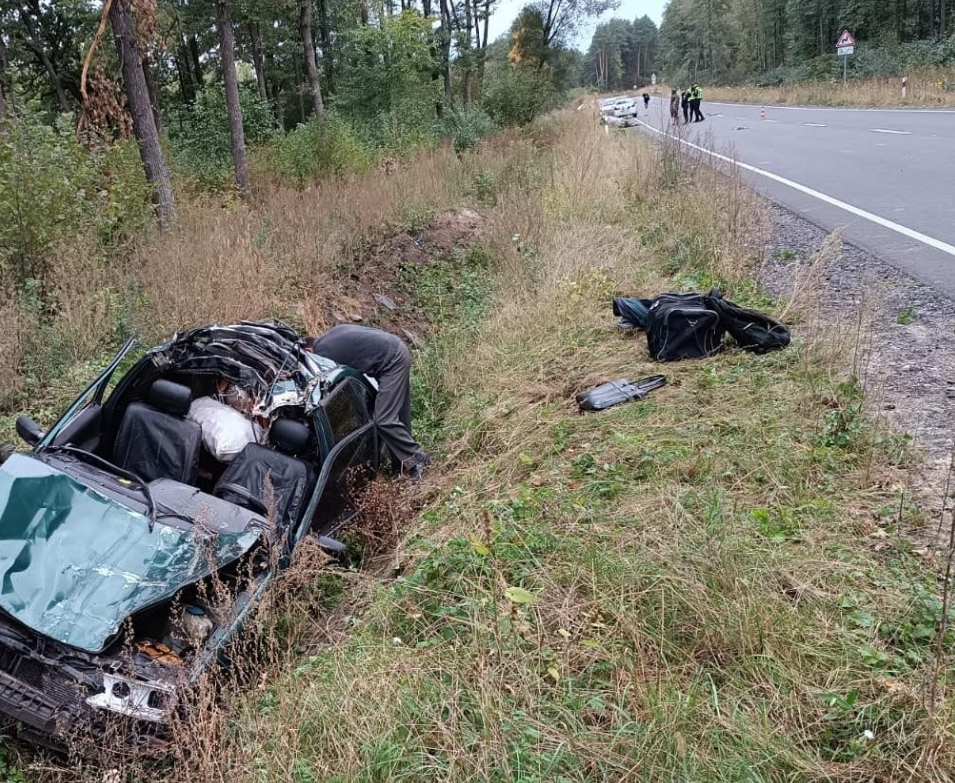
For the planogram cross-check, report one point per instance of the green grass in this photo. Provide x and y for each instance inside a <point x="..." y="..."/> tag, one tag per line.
<point x="709" y="585"/>
<point x="907" y="315"/>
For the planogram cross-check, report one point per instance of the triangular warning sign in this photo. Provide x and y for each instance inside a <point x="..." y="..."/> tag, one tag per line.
<point x="846" y="39"/>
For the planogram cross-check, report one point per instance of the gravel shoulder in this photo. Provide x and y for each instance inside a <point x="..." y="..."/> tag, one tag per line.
<point x="908" y="335"/>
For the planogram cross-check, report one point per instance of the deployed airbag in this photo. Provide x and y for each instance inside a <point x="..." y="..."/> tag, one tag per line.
<point x="225" y="431"/>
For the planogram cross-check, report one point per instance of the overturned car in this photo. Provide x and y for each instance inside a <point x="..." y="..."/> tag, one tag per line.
<point x="213" y="457"/>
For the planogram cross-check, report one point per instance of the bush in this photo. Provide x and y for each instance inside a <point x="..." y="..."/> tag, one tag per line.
<point x="466" y="126"/>
<point x="52" y="190"/>
<point x="520" y="94"/>
<point x="202" y="148"/>
<point x="928" y="53"/>
<point x="317" y="147"/>
<point x="401" y="129"/>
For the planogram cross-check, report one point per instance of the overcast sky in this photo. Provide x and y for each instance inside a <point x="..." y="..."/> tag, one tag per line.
<point x="629" y="9"/>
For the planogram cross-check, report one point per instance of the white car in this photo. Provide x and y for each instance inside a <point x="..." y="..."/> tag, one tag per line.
<point x="625" y="108"/>
<point x="607" y="105"/>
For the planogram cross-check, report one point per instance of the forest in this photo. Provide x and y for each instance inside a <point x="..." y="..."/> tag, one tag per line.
<point x="770" y="42"/>
<point x="312" y="85"/>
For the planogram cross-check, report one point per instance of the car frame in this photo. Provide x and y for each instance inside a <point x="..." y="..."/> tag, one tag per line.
<point x="64" y="664"/>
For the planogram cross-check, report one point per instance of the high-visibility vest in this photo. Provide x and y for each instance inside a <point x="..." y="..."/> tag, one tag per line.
<point x="698" y="93"/>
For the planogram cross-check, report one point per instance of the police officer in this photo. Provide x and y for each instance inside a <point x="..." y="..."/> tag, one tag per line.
<point x="696" y="98"/>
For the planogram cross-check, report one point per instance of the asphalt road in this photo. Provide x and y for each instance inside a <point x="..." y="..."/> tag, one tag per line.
<point x="886" y="177"/>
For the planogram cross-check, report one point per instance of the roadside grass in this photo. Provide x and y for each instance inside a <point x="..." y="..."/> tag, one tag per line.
<point x="708" y="585"/>
<point x="928" y="88"/>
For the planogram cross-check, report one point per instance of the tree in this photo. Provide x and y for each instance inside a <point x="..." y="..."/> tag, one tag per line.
<point x="387" y="70"/>
<point x="605" y="56"/>
<point x="3" y="75"/>
<point x="258" y="62"/>
<point x="311" y="67"/>
<point x="529" y="38"/>
<point x="229" y="77"/>
<point x="40" y="51"/>
<point x="562" y="18"/>
<point x="140" y="108"/>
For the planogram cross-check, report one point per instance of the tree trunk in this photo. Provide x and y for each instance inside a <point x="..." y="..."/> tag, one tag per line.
<point x="311" y="67"/>
<point x="276" y="94"/>
<point x="257" y="62"/>
<point x="233" y="106"/>
<point x="187" y="85"/>
<point x="467" y="52"/>
<point x="37" y="47"/>
<point x="446" y="51"/>
<point x="153" y="94"/>
<point x="325" y="33"/>
<point x="196" y="62"/>
<point x="3" y="76"/>
<point x="144" y="125"/>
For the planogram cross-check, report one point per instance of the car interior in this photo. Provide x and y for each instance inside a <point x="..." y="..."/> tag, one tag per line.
<point x="150" y="437"/>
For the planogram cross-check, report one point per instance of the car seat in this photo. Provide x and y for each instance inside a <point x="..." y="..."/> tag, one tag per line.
<point x="155" y="439"/>
<point x="273" y="482"/>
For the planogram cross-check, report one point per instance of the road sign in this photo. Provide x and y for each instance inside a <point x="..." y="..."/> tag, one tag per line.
<point x="845" y="46"/>
<point x="845" y="39"/>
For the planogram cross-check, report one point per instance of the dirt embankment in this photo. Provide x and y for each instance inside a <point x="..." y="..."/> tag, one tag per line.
<point x="372" y="293"/>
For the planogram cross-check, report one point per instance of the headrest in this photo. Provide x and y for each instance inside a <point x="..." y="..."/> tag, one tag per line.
<point x="170" y="397"/>
<point x="289" y="436"/>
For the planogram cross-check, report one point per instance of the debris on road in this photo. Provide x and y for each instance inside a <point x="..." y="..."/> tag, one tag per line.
<point x="606" y="395"/>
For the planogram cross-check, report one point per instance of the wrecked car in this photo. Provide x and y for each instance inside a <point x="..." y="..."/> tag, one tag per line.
<point x="113" y="523"/>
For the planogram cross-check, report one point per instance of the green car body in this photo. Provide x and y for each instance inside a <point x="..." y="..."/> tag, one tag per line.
<point x="92" y="564"/>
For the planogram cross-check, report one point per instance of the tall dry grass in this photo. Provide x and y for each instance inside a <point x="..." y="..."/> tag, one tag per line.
<point x="280" y="256"/>
<point x="927" y="88"/>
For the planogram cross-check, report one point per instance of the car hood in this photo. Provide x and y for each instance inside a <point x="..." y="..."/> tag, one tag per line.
<point x="75" y="564"/>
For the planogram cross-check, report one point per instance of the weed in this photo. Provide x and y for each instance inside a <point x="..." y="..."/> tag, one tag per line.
<point x="906" y="316"/>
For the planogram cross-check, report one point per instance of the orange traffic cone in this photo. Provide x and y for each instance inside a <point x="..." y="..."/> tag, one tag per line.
<point x="762" y="112"/>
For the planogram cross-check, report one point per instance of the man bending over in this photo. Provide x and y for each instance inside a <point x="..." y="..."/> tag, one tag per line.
<point x="385" y="358"/>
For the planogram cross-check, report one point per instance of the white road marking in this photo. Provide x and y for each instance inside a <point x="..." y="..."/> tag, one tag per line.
<point x="911" y="233"/>
<point x="886" y="130"/>
<point x="836" y="108"/>
<point x="814" y="124"/>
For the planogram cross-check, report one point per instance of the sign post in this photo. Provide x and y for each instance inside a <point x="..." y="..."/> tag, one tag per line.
<point x="845" y="46"/>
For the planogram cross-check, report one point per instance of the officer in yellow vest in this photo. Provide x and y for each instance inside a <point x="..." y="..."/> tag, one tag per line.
<point x="696" y="97"/>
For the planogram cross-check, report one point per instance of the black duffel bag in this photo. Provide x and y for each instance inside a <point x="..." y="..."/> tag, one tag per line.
<point x="683" y="326"/>
<point x="753" y="331"/>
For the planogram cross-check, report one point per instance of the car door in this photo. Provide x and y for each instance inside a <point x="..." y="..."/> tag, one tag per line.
<point x="81" y="421"/>
<point x="353" y="457"/>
